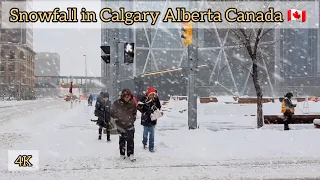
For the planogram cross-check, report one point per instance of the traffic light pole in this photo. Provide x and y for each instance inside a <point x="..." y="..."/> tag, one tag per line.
<point x="192" y="66"/>
<point x="115" y="59"/>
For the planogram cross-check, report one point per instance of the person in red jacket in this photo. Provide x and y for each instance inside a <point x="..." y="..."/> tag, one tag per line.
<point x="147" y="105"/>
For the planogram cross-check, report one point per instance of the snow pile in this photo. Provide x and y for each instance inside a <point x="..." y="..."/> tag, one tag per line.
<point x="225" y="99"/>
<point x="69" y="148"/>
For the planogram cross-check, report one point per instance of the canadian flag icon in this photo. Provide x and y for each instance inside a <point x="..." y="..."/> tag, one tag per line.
<point x="297" y="15"/>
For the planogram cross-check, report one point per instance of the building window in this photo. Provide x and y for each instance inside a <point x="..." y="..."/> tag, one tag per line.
<point x="12" y="67"/>
<point x="2" y="67"/>
<point x="11" y="79"/>
<point x="22" y="68"/>
<point x="12" y="55"/>
<point x="22" y="55"/>
<point x="3" y="54"/>
<point x="1" y="79"/>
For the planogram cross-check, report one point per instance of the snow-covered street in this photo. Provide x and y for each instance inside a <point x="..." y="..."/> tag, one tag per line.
<point x="226" y="146"/>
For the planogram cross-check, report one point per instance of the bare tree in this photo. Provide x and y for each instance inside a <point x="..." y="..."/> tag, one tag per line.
<point x="250" y="39"/>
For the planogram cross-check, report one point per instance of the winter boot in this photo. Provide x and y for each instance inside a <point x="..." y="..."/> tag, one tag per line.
<point x="131" y="158"/>
<point x="122" y="157"/>
<point x="99" y="138"/>
<point x="286" y="127"/>
<point x="152" y="150"/>
<point x="108" y="140"/>
<point x="144" y="146"/>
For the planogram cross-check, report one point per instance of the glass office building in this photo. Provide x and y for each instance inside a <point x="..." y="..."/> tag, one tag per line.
<point x="286" y="58"/>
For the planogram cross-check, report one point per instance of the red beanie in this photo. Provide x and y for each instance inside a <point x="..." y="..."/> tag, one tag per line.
<point x="151" y="90"/>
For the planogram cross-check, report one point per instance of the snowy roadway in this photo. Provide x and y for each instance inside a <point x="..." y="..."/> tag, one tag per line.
<point x="69" y="149"/>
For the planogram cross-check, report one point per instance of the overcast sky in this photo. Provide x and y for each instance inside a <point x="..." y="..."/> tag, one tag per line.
<point x="71" y="44"/>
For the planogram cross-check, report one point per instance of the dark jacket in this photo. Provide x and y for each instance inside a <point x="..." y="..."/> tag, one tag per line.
<point x="124" y="114"/>
<point x="289" y="104"/>
<point x="102" y="111"/>
<point x="147" y="108"/>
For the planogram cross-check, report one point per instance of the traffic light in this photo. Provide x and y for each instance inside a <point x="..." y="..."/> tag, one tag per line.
<point x="128" y="53"/>
<point x="186" y="33"/>
<point x="106" y="57"/>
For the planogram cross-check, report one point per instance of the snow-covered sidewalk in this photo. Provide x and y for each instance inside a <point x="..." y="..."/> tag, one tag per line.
<point x="69" y="149"/>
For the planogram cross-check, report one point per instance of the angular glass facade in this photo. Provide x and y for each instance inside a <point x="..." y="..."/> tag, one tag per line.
<point x="224" y="64"/>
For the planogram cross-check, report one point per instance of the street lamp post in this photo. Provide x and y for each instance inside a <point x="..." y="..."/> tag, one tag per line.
<point x="86" y="73"/>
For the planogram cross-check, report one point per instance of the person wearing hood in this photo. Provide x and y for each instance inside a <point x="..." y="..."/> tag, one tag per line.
<point x="99" y="97"/>
<point x="147" y="105"/>
<point x="287" y="109"/>
<point x="90" y="99"/>
<point x="124" y="112"/>
<point x="102" y="111"/>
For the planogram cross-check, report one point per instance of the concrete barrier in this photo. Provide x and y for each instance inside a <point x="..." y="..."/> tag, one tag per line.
<point x="316" y="123"/>
<point x="253" y="100"/>
<point x="165" y="102"/>
<point x="296" y="119"/>
<point x="299" y="99"/>
<point x="204" y="100"/>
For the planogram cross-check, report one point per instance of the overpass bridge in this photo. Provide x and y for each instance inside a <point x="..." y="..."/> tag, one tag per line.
<point x="64" y="81"/>
<point x="58" y="85"/>
<point x="51" y="86"/>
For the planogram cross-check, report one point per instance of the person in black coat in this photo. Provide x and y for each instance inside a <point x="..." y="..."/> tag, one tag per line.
<point x="90" y="99"/>
<point x="124" y="112"/>
<point x="102" y="111"/>
<point x="147" y="105"/>
<point x="99" y="98"/>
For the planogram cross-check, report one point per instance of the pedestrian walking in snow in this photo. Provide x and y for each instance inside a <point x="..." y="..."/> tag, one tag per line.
<point x="148" y="105"/>
<point x="102" y="111"/>
<point x="90" y="99"/>
<point x="287" y="109"/>
<point x="124" y="112"/>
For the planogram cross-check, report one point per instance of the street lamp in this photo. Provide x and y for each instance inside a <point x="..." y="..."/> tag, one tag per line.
<point x="86" y="73"/>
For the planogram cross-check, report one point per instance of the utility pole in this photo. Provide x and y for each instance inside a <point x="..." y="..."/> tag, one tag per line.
<point x="192" y="94"/>
<point x="86" y="73"/>
<point x="191" y="40"/>
<point x="115" y="58"/>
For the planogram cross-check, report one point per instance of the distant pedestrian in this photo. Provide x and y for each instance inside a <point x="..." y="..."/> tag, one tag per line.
<point x="124" y="112"/>
<point x="90" y="99"/>
<point x="102" y="111"/>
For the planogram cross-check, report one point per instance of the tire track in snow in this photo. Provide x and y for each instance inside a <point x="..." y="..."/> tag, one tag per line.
<point x="136" y="165"/>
